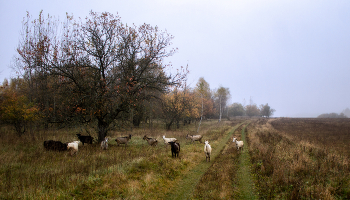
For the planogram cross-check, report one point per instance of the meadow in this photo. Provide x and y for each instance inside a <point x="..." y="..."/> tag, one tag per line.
<point x="287" y="159"/>
<point x="301" y="158"/>
<point x="137" y="171"/>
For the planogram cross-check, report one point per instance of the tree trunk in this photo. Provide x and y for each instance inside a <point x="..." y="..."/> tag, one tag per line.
<point x="20" y="127"/>
<point x="137" y="117"/>
<point x="201" y="117"/>
<point x="168" y="125"/>
<point x="220" y="111"/>
<point x="136" y="121"/>
<point x="102" y="130"/>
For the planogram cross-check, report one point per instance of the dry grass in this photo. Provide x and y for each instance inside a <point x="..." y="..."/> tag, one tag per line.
<point x="290" y="162"/>
<point x="216" y="183"/>
<point x="220" y="180"/>
<point x="292" y="159"/>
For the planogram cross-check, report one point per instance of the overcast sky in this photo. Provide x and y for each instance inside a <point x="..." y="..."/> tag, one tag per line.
<point x="293" y="55"/>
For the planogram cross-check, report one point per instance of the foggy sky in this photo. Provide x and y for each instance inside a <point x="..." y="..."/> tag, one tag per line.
<point x="293" y="55"/>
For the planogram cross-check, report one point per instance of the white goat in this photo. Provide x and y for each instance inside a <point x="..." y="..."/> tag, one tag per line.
<point x="195" y="138"/>
<point x="104" y="144"/>
<point x="166" y="140"/>
<point x="239" y="144"/>
<point x="73" y="146"/>
<point x="207" y="150"/>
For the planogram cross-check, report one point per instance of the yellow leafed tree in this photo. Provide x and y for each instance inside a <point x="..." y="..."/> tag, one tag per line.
<point x="178" y="105"/>
<point x="16" y="110"/>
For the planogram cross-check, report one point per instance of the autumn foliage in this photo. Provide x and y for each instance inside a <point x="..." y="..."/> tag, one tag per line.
<point x="16" y="110"/>
<point x="180" y="104"/>
<point x="99" y="68"/>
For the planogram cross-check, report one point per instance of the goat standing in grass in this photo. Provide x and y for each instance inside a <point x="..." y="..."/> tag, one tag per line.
<point x="104" y="144"/>
<point x="123" y="140"/>
<point x="195" y="138"/>
<point x="74" y="147"/>
<point x="151" y="141"/>
<point x="55" y="145"/>
<point x="85" y="138"/>
<point x="239" y="144"/>
<point x="167" y="140"/>
<point x="175" y="149"/>
<point x="207" y="151"/>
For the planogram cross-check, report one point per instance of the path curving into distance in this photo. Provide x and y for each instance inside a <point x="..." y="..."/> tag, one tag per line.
<point x="246" y="189"/>
<point x="184" y="189"/>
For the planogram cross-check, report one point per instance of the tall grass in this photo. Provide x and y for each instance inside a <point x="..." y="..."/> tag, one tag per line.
<point x="289" y="164"/>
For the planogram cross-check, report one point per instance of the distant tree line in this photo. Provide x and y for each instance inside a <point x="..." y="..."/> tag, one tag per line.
<point x="346" y="112"/>
<point x="251" y="110"/>
<point x="332" y="115"/>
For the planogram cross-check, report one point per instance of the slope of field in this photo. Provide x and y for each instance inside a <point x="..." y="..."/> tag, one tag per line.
<point x="333" y="134"/>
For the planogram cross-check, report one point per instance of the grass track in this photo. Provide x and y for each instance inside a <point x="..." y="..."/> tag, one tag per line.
<point x="184" y="189"/>
<point x="246" y="189"/>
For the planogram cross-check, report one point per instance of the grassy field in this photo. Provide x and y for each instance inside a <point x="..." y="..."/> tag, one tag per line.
<point x="301" y="158"/>
<point x="282" y="159"/>
<point x="138" y="171"/>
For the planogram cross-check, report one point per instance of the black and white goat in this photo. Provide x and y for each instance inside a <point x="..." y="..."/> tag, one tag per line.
<point x="104" y="144"/>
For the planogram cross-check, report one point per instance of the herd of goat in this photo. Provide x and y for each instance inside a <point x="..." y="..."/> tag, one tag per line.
<point x="72" y="147"/>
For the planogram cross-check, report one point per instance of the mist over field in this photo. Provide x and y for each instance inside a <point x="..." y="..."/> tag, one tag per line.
<point x="91" y="92"/>
<point x="293" y="55"/>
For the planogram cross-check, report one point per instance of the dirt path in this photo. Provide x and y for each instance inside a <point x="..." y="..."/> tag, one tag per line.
<point x="245" y="182"/>
<point x="185" y="188"/>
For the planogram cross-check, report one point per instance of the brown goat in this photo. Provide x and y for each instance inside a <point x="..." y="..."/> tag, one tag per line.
<point x="195" y="138"/>
<point x="123" y="140"/>
<point x="151" y="141"/>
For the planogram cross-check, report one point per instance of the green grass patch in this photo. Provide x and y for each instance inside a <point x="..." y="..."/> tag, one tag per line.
<point x="244" y="181"/>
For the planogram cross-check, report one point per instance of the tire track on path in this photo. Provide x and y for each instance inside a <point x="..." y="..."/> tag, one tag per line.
<point x="246" y="189"/>
<point x="184" y="189"/>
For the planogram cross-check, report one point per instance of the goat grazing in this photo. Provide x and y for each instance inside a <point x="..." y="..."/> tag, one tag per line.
<point x="123" y="140"/>
<point x="55" y="145"/>
<point x="207" y="150"/>
<point x="167" y="140"/>
<point x="104" y="144"/>
<point x="85" y="138"/>
<point x="151" y="141"/>
<point x="195" y="138"/>
<point x="175" y="148"/>
<point x="239" y="144"/>
<point x="73" y="146"/>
